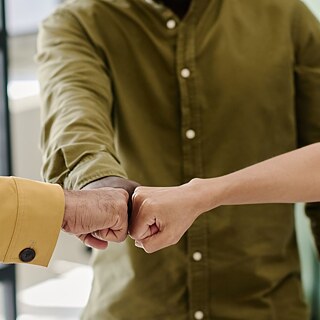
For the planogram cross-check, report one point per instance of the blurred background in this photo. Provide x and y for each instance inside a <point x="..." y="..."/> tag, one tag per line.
<point x="61" y="290"/>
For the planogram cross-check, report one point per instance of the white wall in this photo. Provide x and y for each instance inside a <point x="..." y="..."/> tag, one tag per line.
<point x="23" y="16"/>
<point x="314" y="5"/>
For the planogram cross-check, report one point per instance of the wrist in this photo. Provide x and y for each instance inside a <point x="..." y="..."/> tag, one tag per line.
<point x="113" y="182"/>
<point x="107" y="181"/>
<point x="209" y="193"/>
<point x="68" y="209"/>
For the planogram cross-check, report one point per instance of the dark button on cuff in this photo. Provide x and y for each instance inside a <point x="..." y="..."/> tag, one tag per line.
<point x="27" y="255"/>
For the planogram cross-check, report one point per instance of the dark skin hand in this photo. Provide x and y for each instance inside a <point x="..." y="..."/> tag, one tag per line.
<point x="96" y="216"/>
<point x="115" y="182"/>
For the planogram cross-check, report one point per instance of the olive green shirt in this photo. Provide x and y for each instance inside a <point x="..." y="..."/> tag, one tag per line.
<point x="130" y="90"/>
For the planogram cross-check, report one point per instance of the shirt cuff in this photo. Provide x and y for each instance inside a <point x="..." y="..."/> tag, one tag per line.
<point x="40" y="210"/>
<point x="91" y="168"/>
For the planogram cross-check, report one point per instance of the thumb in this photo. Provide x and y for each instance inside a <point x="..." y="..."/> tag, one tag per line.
<point x="156" y="242"/>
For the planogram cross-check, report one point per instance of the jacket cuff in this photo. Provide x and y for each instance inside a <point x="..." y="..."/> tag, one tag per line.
<point x="39" y="218"/>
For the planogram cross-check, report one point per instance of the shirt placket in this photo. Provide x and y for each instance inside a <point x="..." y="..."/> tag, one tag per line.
<point x="198" y="279"/>
<point x="190" y="130"/>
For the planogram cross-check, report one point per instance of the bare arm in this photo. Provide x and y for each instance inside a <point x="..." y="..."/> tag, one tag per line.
<point x="288" y="178"/>
<point x="162" y="215"/>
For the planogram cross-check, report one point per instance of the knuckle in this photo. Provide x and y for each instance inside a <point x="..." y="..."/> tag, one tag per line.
<point x="175" y="241"/>
<point x="122" y="223"/>
<point x="122" y="236"/>
<point x="138" y="189"/>
<point x="148" y="245"/>
<point x="137" y="197"/>
<point x="133" y="232"/>
<point x="124" y="206"/>
<point x="172" y="238"/>
<point x="123" y="193"/>
<point x="121" y="207"/>
<point x="150" y="204"/>
<point x="148" y="249"/>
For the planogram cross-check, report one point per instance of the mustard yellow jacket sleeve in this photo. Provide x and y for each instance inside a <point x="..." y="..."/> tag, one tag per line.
<point x="30" y="219"/>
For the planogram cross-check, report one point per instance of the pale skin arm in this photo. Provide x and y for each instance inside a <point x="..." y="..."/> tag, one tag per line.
<point x="162" y="215"/>
<point x="97" y="216"/>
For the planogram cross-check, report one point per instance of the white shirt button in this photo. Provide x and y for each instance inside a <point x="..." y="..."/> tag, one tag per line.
<point x="199" y="315"/>
<point x="171" y="24"/>
<point x="190" y="134"/>
<point x="197" y="256"/>
<point x="185" y="73"/>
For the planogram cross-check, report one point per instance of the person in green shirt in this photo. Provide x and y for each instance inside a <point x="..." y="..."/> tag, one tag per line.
<point x="160" y="92"/>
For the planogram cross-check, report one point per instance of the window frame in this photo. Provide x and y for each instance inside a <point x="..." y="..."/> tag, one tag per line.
<point x="7" y="272"/>
<point x="5" y="150"/>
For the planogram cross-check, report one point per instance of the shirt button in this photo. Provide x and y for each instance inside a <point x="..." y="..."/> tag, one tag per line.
<point x="185" y="73"/>
<point x="190" y="134"/>
<point x="197" y="256"/>
<point x="198" y="315"/>
<point x="27" y="255"/>
<point x="171" y="24"/>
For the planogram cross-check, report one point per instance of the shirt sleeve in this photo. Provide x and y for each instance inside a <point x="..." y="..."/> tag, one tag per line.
<point x="31" y="216"/>
<point x="77" y="136"/>
<point x="306" y="34"/>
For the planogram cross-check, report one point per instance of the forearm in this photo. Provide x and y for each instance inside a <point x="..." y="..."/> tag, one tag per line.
<point x="288" y="178"/>
<point x="77" y="128"/>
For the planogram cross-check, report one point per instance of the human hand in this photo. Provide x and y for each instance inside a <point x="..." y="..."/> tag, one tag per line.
<point x="160" y="216"/>
<point x="115" y="182"/>
<point x="96" y="216"/>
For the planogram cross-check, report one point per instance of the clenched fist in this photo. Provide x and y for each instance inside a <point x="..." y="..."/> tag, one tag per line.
<point x="97" y="216"/>
<point x="161" y="216"/>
